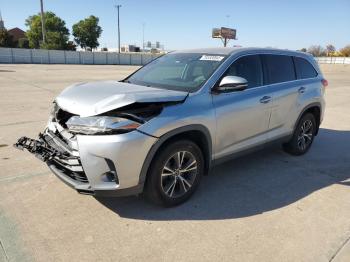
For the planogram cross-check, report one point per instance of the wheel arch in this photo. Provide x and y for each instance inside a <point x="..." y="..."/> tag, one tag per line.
<point x="196" y="133"/>
<point x="315" y="109"/>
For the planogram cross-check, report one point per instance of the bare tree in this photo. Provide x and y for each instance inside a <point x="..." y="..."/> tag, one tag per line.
<point x="317" y="50"/>
<point x="345" y="51"/>
<point x="330" y="49"/>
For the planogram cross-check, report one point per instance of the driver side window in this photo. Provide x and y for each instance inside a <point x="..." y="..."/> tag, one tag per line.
<point x="248" y="67"/>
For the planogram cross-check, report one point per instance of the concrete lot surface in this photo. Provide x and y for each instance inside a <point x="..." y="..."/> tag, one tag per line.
<point x="267" y="206"/>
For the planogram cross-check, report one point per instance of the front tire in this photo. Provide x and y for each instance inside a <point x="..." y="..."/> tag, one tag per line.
<point x="175" y="173"/>
<point x="303" y="136"/>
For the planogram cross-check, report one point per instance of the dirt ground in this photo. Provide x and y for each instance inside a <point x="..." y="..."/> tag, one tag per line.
<point x="268" y="206"/>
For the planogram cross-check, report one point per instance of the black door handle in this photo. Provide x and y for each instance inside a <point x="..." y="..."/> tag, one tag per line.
<point x="301" y="90"/>
<point x="265" y="99"/>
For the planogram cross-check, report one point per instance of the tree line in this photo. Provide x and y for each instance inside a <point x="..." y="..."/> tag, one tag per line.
<point x="86" y="33"/>
<point x="329" y="50"/>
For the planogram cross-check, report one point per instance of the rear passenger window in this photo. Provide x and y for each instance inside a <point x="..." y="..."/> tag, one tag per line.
<point x="304" y="68"/>
<point x="248" y="67"/>
<point x="279" y="68"/>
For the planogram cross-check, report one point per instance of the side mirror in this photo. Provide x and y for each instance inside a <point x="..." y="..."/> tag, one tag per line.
<point x="232" y="83"/>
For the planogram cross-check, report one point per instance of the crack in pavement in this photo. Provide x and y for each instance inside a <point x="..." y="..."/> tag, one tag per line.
<point x="4" y="251"/>
<point x="21" y="123"/>
<point x="30" y="84"/>
<point x="339" y="249"/>
<point x="9" y="178"/>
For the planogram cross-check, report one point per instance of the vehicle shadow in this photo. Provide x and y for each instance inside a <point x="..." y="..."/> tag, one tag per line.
<point x="254" y="184"/>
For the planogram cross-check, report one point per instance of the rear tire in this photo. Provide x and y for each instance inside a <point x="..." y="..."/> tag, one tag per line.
<point x="175" y="173"/>
<point x="303" y="136"/>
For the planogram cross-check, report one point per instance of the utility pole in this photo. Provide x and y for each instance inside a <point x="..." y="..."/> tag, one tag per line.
<point x="118" y="6"/>
<point x="2" y="25"/>
<point x="143" y="37"/>
<point x="43" y="21"/>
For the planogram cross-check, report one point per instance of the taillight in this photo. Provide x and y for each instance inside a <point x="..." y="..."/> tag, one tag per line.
<point x="324" y="82"/>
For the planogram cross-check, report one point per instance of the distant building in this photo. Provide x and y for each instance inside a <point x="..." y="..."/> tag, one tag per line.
<point x="16" y="34"/>
<point x="130" y="48"/>
<point x="154" y="48"/>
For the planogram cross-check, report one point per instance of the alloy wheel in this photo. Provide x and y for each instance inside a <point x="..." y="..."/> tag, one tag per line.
<point x="305" y="135"/>
<point x="178" y="174"/>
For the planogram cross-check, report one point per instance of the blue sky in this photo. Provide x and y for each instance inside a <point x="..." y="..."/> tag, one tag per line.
<point x="186" y="24"/>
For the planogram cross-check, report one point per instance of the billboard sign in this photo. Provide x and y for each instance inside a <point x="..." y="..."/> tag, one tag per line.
<point x="216" y="33"/>
<point x="224" y="32"/>
<point x="228" y="33"/>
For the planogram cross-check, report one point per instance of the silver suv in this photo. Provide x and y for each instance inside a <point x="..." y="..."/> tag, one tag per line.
<point x="162" y="128"/>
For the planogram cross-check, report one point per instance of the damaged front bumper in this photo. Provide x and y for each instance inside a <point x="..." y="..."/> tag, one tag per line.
<point x="65" y="164"/>
<point x="40" y="148"/>
<point x="104" y="165"/>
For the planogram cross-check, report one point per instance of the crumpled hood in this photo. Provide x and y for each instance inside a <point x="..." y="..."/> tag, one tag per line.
<point x="94" y="98"/>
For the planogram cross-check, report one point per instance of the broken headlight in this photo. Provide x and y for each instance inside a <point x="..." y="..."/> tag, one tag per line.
<point x="100" y="125"/>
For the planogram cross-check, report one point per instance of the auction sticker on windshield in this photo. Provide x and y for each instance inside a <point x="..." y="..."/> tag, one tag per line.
<point x="211" y="58"/>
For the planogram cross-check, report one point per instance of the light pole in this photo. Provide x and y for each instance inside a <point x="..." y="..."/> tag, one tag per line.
<point x="43" y="21"/>
<point x="143" y="37"/>
<point x="228" y="20"/>
<point x="118" y="6"/>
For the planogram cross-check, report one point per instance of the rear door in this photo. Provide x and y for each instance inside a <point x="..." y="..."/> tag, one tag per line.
<point x="243" y="116"/>
<point x="280" y="76"/>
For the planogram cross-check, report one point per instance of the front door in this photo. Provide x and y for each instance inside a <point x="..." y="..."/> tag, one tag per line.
<point x="243" y="116"/>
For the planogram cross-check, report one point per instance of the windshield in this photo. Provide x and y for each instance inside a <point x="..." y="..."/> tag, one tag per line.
<point x="177" y="71"/>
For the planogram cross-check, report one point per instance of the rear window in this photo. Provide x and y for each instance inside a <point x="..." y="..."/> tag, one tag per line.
<point x="304" y="69"/>
<point x="279" y="68"/>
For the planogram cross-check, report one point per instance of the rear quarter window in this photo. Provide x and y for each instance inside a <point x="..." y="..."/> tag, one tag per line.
<point x="304" y="69"/>
<point x="278" y="68"/>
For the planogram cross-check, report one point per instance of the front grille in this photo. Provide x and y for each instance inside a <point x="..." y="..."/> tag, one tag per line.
<point x="49" y="140"/>
<point x="67" y="170"/>
<point x="69" y="164"/>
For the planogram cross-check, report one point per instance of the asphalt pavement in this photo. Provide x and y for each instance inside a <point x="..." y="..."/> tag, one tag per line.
<point x="267" y="206"/>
